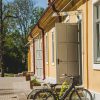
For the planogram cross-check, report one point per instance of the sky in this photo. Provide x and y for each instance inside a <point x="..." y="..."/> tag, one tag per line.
<point x="42" y="3"/>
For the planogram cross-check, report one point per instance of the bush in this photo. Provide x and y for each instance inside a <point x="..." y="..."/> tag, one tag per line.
<point x="35" y="82"/>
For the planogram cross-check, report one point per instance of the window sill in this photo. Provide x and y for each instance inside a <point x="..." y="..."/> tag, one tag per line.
<point x="96" y="66"/>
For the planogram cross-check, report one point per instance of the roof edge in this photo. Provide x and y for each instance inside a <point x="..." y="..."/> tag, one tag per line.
<point x="41" y="17"/>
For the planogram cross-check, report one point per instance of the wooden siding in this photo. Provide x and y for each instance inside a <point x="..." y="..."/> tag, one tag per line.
<point x="91" y="79"/>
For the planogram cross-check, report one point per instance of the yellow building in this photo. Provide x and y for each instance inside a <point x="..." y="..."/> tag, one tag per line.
<point x="66" y="39"/>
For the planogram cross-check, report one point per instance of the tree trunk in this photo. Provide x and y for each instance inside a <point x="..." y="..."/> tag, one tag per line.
<point x="1" y="40"/>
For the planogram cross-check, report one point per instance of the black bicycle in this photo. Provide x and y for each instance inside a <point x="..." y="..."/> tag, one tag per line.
<point x="72" y="93"/>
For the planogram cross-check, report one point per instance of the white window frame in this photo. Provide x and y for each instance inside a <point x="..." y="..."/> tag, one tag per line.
<point x="96" y="66"/>
<point x="53" y="47"/>
<point x="46" y="48"/>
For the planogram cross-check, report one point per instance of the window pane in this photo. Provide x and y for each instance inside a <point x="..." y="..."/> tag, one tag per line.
<point x="98" y="40"/>
<point x="96" y="18"/>
<point x="98" y="11"/>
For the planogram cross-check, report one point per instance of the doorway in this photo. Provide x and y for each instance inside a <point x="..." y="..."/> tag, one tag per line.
<point x="68" y="45"/>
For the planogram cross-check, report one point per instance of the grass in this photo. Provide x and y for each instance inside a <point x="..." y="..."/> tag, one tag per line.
<point x="35" y="82"/>
<point x="9" y="75"/>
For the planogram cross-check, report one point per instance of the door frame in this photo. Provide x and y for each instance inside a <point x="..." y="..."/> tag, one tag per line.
<point x="80" y="50"/>
<point x="38" y="39"/>
<point x="80" y="53"/>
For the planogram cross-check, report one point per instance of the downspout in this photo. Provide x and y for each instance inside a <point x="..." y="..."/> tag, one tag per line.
<point x="87" y="43"/>
<point x="43" y="47"/>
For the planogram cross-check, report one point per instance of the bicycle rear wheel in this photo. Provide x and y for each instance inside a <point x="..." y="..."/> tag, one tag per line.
<point x="81" y="94"/>
<point x="44" y="94"/>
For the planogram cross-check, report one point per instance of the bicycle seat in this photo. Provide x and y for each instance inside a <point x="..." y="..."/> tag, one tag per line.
<point x="53" y="85"/>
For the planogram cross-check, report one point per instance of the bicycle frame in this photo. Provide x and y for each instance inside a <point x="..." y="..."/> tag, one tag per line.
<point x="69" y="92"/>
<point x="66" y="93"/>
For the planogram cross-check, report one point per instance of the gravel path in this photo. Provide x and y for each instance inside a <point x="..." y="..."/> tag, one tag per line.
<point x="8" y="90"/>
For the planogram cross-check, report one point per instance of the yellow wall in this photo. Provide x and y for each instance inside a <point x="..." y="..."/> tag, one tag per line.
<point x="84" y="52"/>
<point x="31" y="57"/>
<point x="94" y="80"/>
<point x="51" y="68"/>
<point x="46" y="62"/>
<point x="29" y="60"/>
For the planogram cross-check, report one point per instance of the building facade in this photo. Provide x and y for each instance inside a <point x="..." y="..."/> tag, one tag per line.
<point x="66" y="39"/>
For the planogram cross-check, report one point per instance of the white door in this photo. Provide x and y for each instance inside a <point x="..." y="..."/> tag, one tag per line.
<point x="38" y="58"/>
<point x="67" y="49"/>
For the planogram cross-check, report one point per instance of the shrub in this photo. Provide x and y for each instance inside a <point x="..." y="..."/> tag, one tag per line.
<point x="35" y="82"/>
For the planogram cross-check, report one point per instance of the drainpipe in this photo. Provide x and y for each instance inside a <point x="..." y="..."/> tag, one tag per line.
<point x="57" y="11"/>
<point x="87" y="43"/>
<point x="43" y="47"/>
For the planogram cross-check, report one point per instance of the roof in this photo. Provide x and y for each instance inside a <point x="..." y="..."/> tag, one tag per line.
<point x="47" y="19"/>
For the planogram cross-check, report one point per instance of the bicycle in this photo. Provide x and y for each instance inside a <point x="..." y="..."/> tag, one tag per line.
<point x="72" y="93"/>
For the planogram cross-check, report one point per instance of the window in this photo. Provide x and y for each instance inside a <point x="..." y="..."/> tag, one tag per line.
<point x="96" y="13"/>
<point x="96" y="34"/>
<point x="53" y="47"/>
<point x="46" y="53"/>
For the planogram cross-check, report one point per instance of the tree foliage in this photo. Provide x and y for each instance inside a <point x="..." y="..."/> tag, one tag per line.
<point x="16" y="31"/>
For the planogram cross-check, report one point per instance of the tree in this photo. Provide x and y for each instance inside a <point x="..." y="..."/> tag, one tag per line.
<point x="28" y="15"/>
<point x="1" y="33"/>
<point x="16" y="31"/>
<point x="3" y="15"/>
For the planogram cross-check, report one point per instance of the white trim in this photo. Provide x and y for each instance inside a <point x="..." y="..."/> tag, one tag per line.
<point x="67" y="19"/>
<point x="94" y="1"/>
<point x="95" y="66"/>
<point x="53" y="56"/>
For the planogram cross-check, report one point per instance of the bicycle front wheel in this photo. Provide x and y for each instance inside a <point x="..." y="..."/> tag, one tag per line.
<point x="81" y="94"/>
<point x="44" y="94"/>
